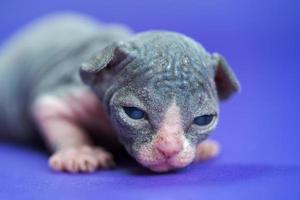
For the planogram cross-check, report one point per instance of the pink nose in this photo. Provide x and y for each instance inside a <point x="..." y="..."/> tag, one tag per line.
<point x="168" y="146"/>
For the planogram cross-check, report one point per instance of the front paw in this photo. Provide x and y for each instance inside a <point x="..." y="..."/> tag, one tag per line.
<point x="81" y="159"/>
<point x="206" y="150"/>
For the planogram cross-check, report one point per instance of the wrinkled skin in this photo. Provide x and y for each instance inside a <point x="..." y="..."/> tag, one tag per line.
<point x="173" y="80"/>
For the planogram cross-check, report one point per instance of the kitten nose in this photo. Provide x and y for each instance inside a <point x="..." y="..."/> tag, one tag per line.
<point x="169" y="146"/>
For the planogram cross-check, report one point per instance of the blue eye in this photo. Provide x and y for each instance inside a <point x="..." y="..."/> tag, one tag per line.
<point x="134" y="113"/>
<point x="203" y="120"/>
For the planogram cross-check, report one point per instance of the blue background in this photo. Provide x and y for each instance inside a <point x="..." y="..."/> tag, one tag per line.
<point x="258" y="130"/>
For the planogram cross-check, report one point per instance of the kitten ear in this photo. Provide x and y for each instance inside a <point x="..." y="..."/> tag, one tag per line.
<point x="107" y="59"/>
<point x="225" y="79"/>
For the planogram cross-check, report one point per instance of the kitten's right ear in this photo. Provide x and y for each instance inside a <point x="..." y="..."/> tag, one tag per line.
<point x="108" y="59"/>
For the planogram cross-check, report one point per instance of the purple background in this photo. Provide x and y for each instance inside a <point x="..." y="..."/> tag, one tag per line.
<point x="258" y="130"/>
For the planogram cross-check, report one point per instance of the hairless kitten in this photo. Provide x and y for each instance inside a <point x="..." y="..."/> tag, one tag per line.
<point x="80" y="84"/>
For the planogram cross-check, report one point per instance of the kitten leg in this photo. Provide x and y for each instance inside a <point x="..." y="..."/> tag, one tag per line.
<point x="72" y="147"/>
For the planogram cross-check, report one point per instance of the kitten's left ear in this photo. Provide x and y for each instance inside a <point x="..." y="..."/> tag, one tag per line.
<point x="107" y="61"/>
<point x="225" y="79"/>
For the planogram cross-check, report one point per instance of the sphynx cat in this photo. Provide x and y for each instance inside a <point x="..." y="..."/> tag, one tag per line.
<point x="84" y="87"/>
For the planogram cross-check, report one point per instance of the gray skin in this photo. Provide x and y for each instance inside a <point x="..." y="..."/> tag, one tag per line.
<point x="147" y="70"/>
<point x="44" y="58"/>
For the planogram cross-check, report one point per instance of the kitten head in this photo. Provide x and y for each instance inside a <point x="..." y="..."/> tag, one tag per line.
<point x="161" y="91"/>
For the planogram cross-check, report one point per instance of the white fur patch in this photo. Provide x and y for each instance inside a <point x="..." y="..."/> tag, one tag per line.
<point x="171" y="123"/>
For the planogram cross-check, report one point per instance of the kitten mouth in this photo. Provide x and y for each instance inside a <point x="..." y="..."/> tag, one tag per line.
<point x="169" y="164"/>
<point x="164" y="164"/>
<point x="161" y="167"/>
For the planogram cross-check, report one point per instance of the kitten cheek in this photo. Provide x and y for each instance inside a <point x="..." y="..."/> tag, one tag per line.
<point x="146" y="155"/>
<point x="182" y="161"/>
<point x="185" y="157"/>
